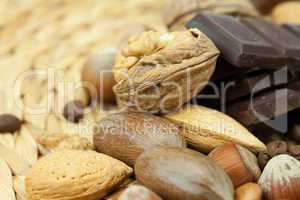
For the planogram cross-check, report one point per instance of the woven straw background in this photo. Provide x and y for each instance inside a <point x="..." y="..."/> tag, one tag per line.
<point x="58" y="35"/>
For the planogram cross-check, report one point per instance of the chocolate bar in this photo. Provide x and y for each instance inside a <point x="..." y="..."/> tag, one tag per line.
<point x="293" y="29"/>
<point x="266" y="106"/>
<point x="249" y="42"/>
<point x="241" y="86"/>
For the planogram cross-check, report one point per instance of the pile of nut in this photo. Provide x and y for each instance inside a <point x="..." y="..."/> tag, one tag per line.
<point x="149" y="143"/>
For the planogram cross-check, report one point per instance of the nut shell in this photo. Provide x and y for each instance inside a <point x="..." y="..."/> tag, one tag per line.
<point x="248" y="191"/>
<point x="238" y="162"/>
<point x="126" y="135"/>
<point x="74" y="175"/>
<point x="159" y="72"/>
<point x="182" y="174"/>
<point x="97" y="75"/>
<point x="281" y="178"/>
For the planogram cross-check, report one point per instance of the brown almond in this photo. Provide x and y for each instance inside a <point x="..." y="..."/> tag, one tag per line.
<point x="126" y="135"/>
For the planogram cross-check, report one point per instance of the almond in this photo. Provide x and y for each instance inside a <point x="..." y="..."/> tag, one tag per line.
<point x="126" y="135"/>
<point x="6" y="182"/>
<point x="205" y="129"/>
<point x="74" y="175"/>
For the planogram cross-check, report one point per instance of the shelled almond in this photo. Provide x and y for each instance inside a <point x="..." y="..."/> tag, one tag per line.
<point x="205" y="129"/>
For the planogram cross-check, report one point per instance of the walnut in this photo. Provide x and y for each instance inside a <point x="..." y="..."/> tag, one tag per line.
<point x="159" y="72"/>
<point x="178" y="12"/>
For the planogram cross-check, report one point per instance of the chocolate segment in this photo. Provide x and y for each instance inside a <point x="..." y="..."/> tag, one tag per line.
<point x="294" y="29"/>
<point x="267" y="105"/>
<point x="9" y="123"/>
<point x="239" y="44"/>
<point x="283" y="40"/>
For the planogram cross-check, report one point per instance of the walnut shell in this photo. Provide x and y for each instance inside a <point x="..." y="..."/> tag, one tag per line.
<point x="74" y="175"/>
<point x="159" y="72"/>
<point x="178" y="12"/>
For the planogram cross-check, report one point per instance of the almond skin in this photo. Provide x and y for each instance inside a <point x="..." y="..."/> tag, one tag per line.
<point x="126" y="135"/>
<point x="182" y="174"/>
<point x="281" y="178"/>
<point x="206" y="129"/>
<point x="74" y="175"/>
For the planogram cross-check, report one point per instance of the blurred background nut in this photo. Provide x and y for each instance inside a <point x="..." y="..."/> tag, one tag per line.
<point x="287" y="13"/>
<point x="238" y="162"/>
<point x="295" y="133"/>
<point x="74" y="111"/>
<point x="178" y="12"/>
<point x="97" y="74"/>
<point x="136" y="192"/>
<point x="74" y="175"/>
<point x="277" y="147"/>
<point x="281" y="178"/>
<point x="9" y="123"/>
<point x="248" y="191"/>
<point x="180" y="173"/>
<point x="263" y="159"/>
<point x="159" y="72"/>
<point x="126" y="135"/>
<point x="265" y="6"/>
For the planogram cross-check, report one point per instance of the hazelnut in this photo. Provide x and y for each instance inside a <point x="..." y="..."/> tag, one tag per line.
<point x="97" y="75"/>
<point x="287" y="13"/>
<point x="248" y="191"/>
<point x="281" y="178"/>
<point x="238" y="162"/>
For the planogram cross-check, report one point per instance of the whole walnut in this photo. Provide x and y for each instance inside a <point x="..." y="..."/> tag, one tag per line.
<point x="178" y="12"/>
<point x="159" y="72"/>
